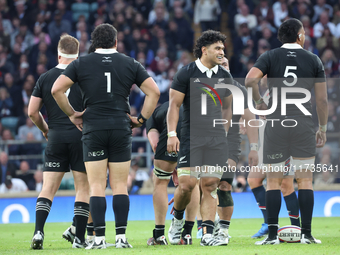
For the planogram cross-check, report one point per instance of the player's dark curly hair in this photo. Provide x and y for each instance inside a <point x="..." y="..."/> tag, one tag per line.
<point x="103" y="36"/>
<point x="289" y="30"/>
<point x="207" y="38"/>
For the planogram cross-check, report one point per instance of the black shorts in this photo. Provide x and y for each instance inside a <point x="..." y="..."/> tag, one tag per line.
<point x="161" y="150"/>
<point x="60" y="157"/>
<point x="282" y="142"/>
<point x="234" y="147"/>
<point x="200" y="151"/>
<point x="228" y="177"/>
<point x="114" y="145"/>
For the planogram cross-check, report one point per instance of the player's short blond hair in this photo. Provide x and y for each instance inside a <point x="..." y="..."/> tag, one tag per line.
<point x="68" y="44"/>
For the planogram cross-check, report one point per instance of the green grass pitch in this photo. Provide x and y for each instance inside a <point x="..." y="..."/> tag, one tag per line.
<point x="15" y="239"/>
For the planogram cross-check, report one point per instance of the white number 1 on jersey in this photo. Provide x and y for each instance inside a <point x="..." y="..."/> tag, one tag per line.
<point x="108" y="81"/>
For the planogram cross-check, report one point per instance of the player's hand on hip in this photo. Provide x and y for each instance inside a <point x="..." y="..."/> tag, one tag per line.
<point x="134" y="122"/>
<point x="262" y="106"/>
<point x="253" y="158"/>
<point x="173" y="144"/>
<point x="77" y="119"/>
<point x="320" y="139"/>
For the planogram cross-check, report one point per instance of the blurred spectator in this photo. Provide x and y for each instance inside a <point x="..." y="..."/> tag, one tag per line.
<point x="21" y="13"/>
<point x="15" y="94"/>
<point x="26" y="175"/>
<point x="15" y="56"/>
<point x="42" y="14"/>
<point x="38" y="177"/>
<point x="29" y="128"/>
<point x="309" y="45"/>
<point x="309" y="31"/>
<point x="143" y="7"/>
<point x="271" y="39"/>
<point x="6" y="103"/>
<point x="142" y="46"/>
<point x="162" y="81"/>
<point x="40" y="36"/>
<point x="329" y="61"/>
<point x="26" y="92"/>
<point x="243" y="38"/>
<point x="5" y="65"/>
<point x="184" y="32"/>
<point x="65" y="14"/>
<point x="333" y="124"/>
<point x="263" y="11"/>
<point x="300" y="8"/>
<point x="57" y="27"/>
<point x="137" y="177"/>
<point x="80" y="8"/>
<point x="26" y="35"/>
<point x="325" y="177"/>
<point x="185" y="4"/>
<point x="262" y="46"/>
<point x="280" y="10"/>
<point x="12" y="149"/>
<point x="206" y="14"/>
<point x="81" y="27"/>
<point x="323" y="24"/>
<point x="6" y="25"/>
<point x="239" y="63"/>
<point x="5" y="39"/>
<point x="162" y="54"/>
<point x="13" y="185"/>
<point x="159" y="15"/>
<point x="322" y="7"/>
<point x="245" y="17"/>
<point x="184" y="59"/>
<point x="6" y="168"/>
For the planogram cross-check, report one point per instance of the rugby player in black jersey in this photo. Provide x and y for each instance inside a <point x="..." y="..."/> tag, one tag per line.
<point x="105" y="78"/>
<point x="293" y="72"/>
<point x="226" y="203"/>
<point x="201" y="144"/>
<point x="164" y="165"/>
<point x="64" y="146"/>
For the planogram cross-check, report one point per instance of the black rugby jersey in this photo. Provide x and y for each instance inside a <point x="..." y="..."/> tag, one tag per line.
<point x="234" y="130"/>
<point x="61" y="129"/>
<point x="290" y="66"/>
<point x="158" y="119"/>
<point x="190" y="80"/>
<point x="105" y="78"/>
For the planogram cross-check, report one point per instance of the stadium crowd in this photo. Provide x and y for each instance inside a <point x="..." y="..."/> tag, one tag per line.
<point x="160" y="35"/>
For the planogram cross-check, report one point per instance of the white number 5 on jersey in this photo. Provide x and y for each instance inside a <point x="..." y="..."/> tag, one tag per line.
<point x="290" y="74"/>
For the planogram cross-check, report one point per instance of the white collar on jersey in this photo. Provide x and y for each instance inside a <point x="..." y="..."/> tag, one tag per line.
<point x="62" y="66"/>
<point x="106" y="51"/>
<point x="204" y="69"/>
<point x="291" y="46"/>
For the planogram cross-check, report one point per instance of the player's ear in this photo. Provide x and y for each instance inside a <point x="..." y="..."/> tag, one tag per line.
<point x="204" y="50"/>
<point x="299" y="36"/>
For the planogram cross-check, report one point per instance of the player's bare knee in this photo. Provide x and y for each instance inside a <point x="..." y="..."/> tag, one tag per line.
<point x="254" y="182"/>
<point x="209" y="185"/>
<point x="304" y="183"/>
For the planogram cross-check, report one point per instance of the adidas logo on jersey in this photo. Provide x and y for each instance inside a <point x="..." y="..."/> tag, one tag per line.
<point x="197" y="80"/>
